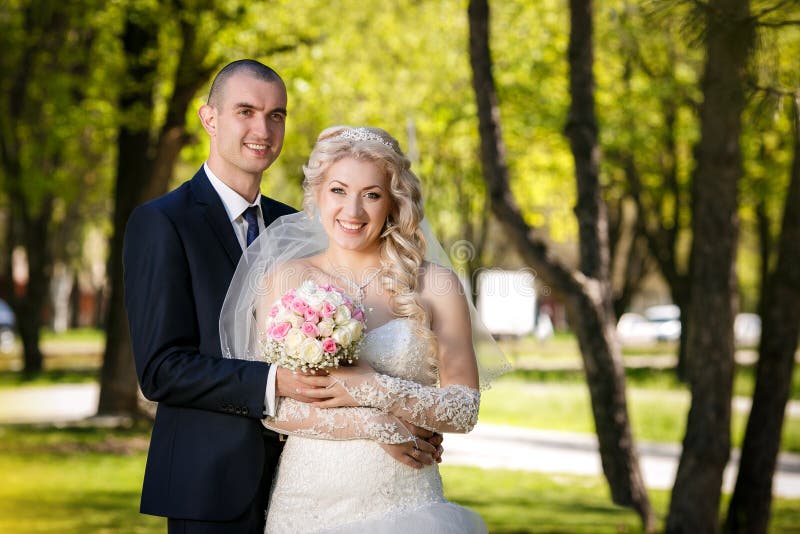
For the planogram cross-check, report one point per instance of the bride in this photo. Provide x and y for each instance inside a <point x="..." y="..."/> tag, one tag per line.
<point x="363" y="231"/>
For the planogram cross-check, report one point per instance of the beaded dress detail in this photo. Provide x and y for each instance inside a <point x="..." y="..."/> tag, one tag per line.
<point x="333" y="477"/>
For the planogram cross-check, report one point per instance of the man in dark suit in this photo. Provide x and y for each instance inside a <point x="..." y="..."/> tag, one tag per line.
<point x="210" y="462"/>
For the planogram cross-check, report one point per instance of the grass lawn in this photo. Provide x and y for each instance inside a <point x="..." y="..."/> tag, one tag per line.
<point x="88" y="480"/>
<point x="656" y="414"/>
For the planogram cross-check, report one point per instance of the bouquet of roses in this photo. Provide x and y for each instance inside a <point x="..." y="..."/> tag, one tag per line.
<point x="313" y="327"/>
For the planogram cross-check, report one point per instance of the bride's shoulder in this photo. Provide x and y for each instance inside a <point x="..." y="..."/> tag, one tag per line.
<point x="438" y="281"/>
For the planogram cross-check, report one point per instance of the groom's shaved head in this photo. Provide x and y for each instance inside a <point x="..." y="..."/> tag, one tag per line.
<point x="250" y="67"/>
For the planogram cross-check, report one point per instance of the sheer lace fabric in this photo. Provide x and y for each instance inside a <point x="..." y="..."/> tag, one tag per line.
<point x="452" y="408"/>
<point x="336" y="486"/>
<point x="301" y="419"/>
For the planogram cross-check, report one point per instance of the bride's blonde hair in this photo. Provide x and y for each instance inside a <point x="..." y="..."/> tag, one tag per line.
<point x="402" y="245"/>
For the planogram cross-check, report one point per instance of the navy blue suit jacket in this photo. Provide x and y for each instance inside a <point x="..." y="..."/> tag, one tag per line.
<point x="207" y="450"/>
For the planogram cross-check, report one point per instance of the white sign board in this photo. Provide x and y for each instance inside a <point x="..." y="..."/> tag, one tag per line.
<point x="507" y="301"/>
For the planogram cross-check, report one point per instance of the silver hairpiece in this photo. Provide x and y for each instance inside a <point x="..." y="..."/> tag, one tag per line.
<point x="362" y="134"/>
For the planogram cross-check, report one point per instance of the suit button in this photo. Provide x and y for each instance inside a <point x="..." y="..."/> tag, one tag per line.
<point x="245" y="411"/>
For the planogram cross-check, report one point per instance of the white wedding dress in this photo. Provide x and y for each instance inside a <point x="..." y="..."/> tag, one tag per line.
<point x="333" y="483"/>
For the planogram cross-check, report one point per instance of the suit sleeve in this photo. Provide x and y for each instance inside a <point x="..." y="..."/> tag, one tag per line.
<point x="165" y="332"/>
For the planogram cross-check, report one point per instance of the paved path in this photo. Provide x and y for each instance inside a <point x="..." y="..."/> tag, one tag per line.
<point x="488" y="446"/>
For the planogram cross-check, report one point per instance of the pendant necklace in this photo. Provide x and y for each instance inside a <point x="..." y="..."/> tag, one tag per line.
<point x="360" y="289"/>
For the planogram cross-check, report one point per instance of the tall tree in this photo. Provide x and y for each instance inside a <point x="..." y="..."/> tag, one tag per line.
<point x="587" y="292"/>
<point x="749" y="508"/>
<point x="706" y="446"/>
<point x="46" y="57"/>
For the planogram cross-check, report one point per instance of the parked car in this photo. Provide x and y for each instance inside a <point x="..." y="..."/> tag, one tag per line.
<point x="8" y="324"/>
<point x="658" y="323"/>
<point x="663" y="323"/>
<point x="635" y="329"/>
<point x="666" y="320"/>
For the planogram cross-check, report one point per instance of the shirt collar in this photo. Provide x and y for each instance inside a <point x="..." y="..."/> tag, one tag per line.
<point x="234" y="203"/>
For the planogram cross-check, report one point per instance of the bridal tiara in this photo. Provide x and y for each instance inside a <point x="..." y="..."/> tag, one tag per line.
<point x="362" y="134"/>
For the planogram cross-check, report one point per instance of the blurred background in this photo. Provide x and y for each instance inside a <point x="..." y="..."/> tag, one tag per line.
<point x="617" y="183"/>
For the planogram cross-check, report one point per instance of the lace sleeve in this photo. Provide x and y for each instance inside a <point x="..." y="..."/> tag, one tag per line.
<point x="302" y="419"/>
<point x="453" y="408"/>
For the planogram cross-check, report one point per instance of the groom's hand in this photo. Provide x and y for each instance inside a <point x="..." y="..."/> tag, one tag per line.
<point x="433" y="439"/>
<point x="298" y="386"/>
<point x="416" y="455"/>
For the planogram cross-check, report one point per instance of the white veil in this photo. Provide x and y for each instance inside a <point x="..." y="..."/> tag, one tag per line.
<point x="299" y="236"/>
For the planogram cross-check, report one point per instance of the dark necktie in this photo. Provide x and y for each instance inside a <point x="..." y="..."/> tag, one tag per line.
<point x="250" y="215"/>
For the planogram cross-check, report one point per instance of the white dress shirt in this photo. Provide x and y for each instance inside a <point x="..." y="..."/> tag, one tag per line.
<point x="235" y="205"/>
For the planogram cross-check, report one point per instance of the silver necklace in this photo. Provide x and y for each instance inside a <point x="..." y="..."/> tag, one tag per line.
<point x="360" y="289"/>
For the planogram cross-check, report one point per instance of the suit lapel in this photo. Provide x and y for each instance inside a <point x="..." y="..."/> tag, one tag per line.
<point x="269" y="217"/>
<point x="215" y="215"/>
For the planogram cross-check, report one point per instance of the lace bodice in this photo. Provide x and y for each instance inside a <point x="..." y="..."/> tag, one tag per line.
<point x="393" y="350"/>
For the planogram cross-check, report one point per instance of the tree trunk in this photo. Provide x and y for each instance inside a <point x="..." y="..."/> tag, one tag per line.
<point x="706" y="446"/>
<point x="749" y="508"/>
<point x="587" y="293"/>
<point x="118" y="384"/>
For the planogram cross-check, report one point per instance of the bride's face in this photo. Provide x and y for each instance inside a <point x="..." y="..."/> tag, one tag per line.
<point x="353" y="203"/>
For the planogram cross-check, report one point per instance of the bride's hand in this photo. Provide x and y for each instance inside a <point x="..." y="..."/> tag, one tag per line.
<point x="333" y="394"/>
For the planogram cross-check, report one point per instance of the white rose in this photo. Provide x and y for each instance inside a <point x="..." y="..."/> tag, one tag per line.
<point x="355" y="328"/>
<point x="325" y="327"/>
<point x="342" y="315"/>
<point x="315" y="300"/>
<point x="285" y="316"/>
<point x="311" y="351"/>
<point x="293" y="340"/>
<point x="306" y="289"/>
<point x="334" y="298"/>
<point x="342" y="336"/>
<point x="296" y="321"/>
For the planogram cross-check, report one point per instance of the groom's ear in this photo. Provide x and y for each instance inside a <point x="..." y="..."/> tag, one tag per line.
<point x="208" y="117"/>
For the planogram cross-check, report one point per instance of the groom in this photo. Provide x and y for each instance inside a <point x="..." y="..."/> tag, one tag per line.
<point x="210" y="463"/>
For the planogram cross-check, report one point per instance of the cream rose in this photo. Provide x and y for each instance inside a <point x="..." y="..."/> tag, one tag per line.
<point x="355" y="328"/>
<point x="311" y="351"/>
<point x="342" y="336"/>
<point x="293" y="340"/>
<point x="325" y="327"/>
<point x="342" y="315"/>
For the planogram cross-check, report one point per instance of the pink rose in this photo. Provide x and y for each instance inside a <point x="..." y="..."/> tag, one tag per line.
<point x="309" y="329"/>
<point x="287" y="298"/>
<point x="312" y="316"/>
<point x="329" y="345"/>
<point x="274" y="311"/>
<point x="328" y="310"/>
<point x="358" y="315"/>
<point x="299" y="306"/>
<point x="279" y="331"/>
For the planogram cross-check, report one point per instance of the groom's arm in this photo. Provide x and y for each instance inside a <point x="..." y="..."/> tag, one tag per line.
<point x="165" y="332"/>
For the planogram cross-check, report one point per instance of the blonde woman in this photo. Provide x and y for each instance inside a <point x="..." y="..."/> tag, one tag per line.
<point x="354" y="460"/>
